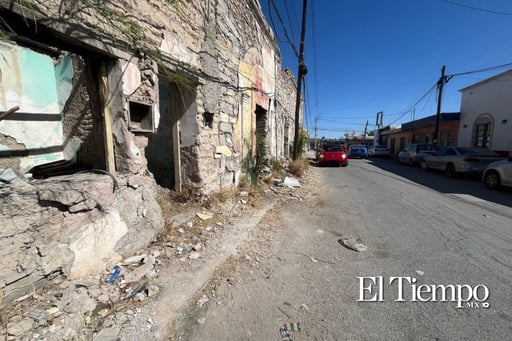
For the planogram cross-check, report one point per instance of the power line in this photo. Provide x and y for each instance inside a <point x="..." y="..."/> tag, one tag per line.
<point x="429" y="101"/>
<point x="480" y="70"/>
<point x="337" y="121"/>
<point x="307" y="113"/>
<point x="447" y="78"/>
<point x="313" y="40"/>
<point x="402" y="114"/>
<point x="488" y="51"/>
<point x="284" y="28"/>
<point x="273" y="25"/>
<point x="476" y="8"/>
<point x="289" y="19"/>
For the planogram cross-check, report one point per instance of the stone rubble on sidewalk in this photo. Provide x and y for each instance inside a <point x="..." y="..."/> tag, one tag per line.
<point x="352" y="243"/>
<point x="67" y="233"/>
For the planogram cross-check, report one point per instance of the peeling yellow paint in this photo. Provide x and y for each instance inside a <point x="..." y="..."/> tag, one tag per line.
<point x="224" y="150"/>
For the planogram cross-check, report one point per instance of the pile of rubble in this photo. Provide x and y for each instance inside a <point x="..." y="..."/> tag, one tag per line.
<point x="80" y="252"/>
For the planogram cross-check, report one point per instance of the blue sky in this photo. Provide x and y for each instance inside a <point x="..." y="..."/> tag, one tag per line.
<point x="366" y="56"/>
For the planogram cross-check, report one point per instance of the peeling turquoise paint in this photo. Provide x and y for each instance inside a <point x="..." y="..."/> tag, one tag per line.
<point x="38" y="80"/>
<point x="64" y="74"/>
<point x="33" y="82"/>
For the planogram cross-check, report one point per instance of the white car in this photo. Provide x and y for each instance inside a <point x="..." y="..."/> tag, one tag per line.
<point x="413" y="153"/>
<point x="379" y="150"/>
<point x="498" y="174"/>
<point x="455" y="160"/>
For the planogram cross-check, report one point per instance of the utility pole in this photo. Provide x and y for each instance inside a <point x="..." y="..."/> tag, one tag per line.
<point x="413" y="138"/>
<point x="365" y="129"/>
<point x="301" y="72"/>
<point x="316" y="128"/>
<point x="440" y="85"/>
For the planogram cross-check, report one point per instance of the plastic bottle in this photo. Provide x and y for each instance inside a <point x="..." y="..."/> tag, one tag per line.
<point x="116" y="270"/>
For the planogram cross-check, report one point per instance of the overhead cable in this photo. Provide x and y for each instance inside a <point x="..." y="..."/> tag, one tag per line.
<point x="476" y="8"/>
<point x="481" y="70"/>
<point x="402" y="114"/>
<point x="284" y="28"/>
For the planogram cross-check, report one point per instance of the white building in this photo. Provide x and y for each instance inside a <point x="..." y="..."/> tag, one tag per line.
<point x="486" y="114"/>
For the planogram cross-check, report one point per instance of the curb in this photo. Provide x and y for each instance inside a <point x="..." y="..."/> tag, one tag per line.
<point x="154" y="320"/>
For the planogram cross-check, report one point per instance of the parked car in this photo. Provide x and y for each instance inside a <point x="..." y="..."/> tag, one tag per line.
<point x="357" y="151"/>
<point x="413" y="153"/>
<point x="379" y="150"/>
<point x="498" y="173"/>
<point x="453" y="160"/>
<point x="331" y="154"/>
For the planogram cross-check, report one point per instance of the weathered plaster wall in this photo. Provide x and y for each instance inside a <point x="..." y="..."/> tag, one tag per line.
<point x="490" y="97"/>
<point x="225" y="50"/>
<point x="29" y="80"/>
<point x="81" y="118"/>
<point x="284" y="101"/>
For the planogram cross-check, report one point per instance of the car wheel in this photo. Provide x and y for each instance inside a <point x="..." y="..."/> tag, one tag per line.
<point x="423" y="165"/>
<point x="410" y="163"/>
<point x="450" y="170"/>
<point x="492" y="179"/>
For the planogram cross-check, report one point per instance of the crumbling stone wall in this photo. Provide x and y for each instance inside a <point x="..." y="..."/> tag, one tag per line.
<point x="286" y="95"/>
<point x="81" y="119"/>
<point x="71" y="227"/>
<point x="222" y="50"/>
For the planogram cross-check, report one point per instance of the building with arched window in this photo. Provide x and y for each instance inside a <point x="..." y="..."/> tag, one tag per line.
<point x="486" y="114"/>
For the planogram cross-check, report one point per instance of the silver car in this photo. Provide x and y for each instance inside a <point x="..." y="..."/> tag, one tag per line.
<point x="379" y="150"/>
<point x="454" y="160"/>
<point x="498" y="173"/>
<point x="413" y="153"/>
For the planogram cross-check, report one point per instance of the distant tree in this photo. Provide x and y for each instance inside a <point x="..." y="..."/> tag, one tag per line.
<point x="371" y="133"/>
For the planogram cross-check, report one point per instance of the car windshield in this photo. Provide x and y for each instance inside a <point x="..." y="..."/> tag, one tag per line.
<point x="332" y="148"/>
<point x="423" y="147"/>
<point x="475" y="151"/>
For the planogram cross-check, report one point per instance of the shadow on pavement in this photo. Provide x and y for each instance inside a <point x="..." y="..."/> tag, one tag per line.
<point x="465" y="185"/>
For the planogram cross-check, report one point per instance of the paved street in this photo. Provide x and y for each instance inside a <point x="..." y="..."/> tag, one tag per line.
<point x="438" y="235"/>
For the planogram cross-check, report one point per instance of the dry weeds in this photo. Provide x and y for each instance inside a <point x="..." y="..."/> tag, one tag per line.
<point x="299" y="167"/>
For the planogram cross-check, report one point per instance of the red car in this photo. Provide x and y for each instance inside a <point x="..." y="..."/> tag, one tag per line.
<point x="331" y="154"/>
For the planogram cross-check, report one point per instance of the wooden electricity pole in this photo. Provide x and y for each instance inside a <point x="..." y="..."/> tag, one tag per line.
<point x="302" y="71"/>
<point x="440" y="85"/>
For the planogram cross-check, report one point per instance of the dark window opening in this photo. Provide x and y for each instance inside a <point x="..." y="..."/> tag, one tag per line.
<point x="261" y="121"/>
<point x="261" y="134"/>
<point x="208" y="120"/>
<point x="141" y="118"/>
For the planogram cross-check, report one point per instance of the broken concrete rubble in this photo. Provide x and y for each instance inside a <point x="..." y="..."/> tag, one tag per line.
<point x="87" y="308"/>
<point x="70" y="227"/>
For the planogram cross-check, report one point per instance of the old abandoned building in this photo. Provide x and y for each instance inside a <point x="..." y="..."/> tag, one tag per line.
<point x="166" y="91"/>
<point x="174" y="87"/>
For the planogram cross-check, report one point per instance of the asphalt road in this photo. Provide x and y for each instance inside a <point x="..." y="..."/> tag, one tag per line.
<point x="435" y="234"/>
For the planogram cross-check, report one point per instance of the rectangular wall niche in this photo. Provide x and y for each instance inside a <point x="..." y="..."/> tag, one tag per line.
<point x="141" y="117"/>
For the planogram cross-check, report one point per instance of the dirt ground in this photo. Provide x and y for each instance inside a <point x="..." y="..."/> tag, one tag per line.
<point x="251" y="263"/>
<point x="130" y="308"/>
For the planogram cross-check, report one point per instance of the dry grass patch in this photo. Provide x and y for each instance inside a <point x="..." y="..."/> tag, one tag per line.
<point x="299" y="166"/>
<point x="218" y="198"/>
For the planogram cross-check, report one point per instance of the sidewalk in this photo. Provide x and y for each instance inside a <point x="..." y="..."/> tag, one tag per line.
<point x="178" y="284"/>
<point x="154" y="284"/>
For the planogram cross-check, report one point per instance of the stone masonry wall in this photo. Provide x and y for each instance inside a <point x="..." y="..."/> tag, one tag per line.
<point x="221" y="49"/>
<point x="285" y="107"/>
